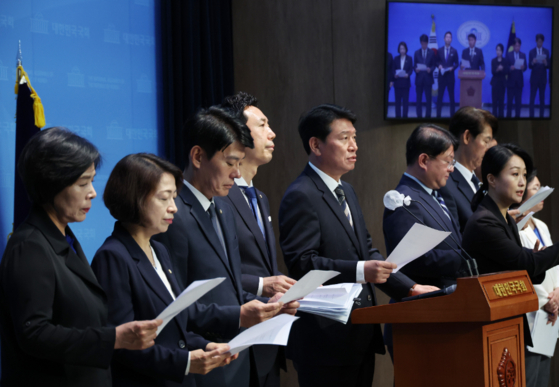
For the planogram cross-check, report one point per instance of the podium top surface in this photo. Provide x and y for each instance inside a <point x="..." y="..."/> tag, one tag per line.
<point x="482" y="298"/>
<point x="471" y="74"/>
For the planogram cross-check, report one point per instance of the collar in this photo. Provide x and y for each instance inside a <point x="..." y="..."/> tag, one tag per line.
<point x="204" y="201"/>
<point x="464" y="171"/>
<point x="427" y="189"/>
<point x="241" y="182"/>
<point x="329" y="181"/>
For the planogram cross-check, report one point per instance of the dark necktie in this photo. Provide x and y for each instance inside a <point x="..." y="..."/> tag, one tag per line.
<point x="472" y="53"/>
<point x="213" y="218"/>
<point x="476" y="181"/>
<point x="250" y="192"/>
<point x="446" y="54"/>
<point x="341" y="198"/>
<point x="423" y="54"/>
<point x="440" y="199"/>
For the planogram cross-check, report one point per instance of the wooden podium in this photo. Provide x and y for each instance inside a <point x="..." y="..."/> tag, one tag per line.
<point x="470" y="87"/>
<point x="473" y="337"/>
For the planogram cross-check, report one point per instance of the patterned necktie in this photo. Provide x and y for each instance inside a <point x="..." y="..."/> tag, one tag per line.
<point x="442" y="203"/>
<point x="250" y="192"/>
<point x="213" y="218"/>
<point x="341" y="198"/>
<point x="476" y="181"/>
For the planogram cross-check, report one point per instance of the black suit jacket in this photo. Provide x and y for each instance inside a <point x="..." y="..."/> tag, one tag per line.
<point x="439" y="266"/>
<point x="477" y="62"/>
<point x="424" y="78"/>
<point x="458" y="195"/>
<point x="499" y="77"/>
<point x="400" y="82"/>
<point x="136" y="292"/>
<point x="451" y="61"/>
<point x="539" y="70"/>
<point x="516" y="77"/>
<point x="316" y="235"/>
<point x="53" y="313"/>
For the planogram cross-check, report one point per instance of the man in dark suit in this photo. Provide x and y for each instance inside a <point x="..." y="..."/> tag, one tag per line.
<point x="515" y="82"/>
<point x="257" y="241"/>
<point x="424" y="75"/>
<point x="473" y="55"/>
<point x="538" y="77"/>
<point x="322" y="228"/>
<point x="474" y="129"/>
<point x="447" y="59"/>
<point x="203" y="241"/>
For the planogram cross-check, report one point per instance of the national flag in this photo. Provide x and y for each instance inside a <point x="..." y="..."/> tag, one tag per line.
<point x="434" y="47"/>
<point x="512" y="36"/>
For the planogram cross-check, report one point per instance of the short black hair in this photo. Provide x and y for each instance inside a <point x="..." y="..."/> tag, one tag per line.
<point x="472" y="36"/>
<point x="424" y="38"/>
<point x="52" y="160"/>
<point x="237" y="104"/>
<point x="214" y="129"/>
<point x="539" y="36"/>
<point x="402" y="44"/>
<point x="132" y="181"/>
<point x="500" y="45"/>
<point x="446" y="33"/>
<point x="316" y="122"/>
<point x="472" y="119"/>
<point x="517" y="40"/>
<point x="429" y="139"/>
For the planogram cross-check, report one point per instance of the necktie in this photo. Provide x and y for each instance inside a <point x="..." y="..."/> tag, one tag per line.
<point x="442" y="203"/>
<point x="213" y="217"/>
<point x="446" y="53"/>
<point x="423" y="54"/>
<point x="516" y="56"/>
<point x="476" y="181"/>
<point x="472" y="52"/>
<point x="341" y="198"/>
<point x="250" y="192"/>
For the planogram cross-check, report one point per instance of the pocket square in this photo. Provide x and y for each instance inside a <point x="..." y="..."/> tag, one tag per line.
<point x="269" y="218"/>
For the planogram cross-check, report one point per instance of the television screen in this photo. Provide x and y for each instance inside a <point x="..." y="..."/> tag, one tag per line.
<point x="444" y="56"/>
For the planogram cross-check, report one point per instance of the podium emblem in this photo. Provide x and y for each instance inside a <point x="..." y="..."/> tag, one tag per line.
<point x="471" y="91"/>
<point x="506" y="370"/>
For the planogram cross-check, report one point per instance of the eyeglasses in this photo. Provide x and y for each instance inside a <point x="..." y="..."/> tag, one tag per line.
<point x="449" y="164"/>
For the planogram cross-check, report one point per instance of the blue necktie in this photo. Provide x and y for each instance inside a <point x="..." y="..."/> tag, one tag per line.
<point x="476" y="181"/>
<point x="341" y="198"/>
<point x="213" y="217"/>
<point x="442" y="203"/>
<point x="250" y="192"/>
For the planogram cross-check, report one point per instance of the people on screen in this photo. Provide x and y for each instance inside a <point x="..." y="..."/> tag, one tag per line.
<point x="402" y="68"/>
<point x="515" y="83"/>
<point x="472" y="56"/>
<point x="447" y="60"/>
<point x="539" y="63"/>
<point x="424" y="63"/>
<point x="499" y="70"/>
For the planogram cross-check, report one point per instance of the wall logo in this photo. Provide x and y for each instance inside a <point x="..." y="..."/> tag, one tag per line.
<point x="112" y="35"/>
<point x="39" y="24"/>
<point x="3" y="72"/>
<point x="480" y="30"/>
<point x="114" y="131"/>
<point x="76" y="78"/>
<point x="143" y="85"/>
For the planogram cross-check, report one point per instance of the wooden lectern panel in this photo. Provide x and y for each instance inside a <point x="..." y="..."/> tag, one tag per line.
<point x="471" y="87"/>
<point x="504" y="353"/>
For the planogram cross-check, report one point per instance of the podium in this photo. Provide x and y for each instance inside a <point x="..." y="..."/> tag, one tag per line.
<point x="470" y="87"/>
<point x="472" y="337"/>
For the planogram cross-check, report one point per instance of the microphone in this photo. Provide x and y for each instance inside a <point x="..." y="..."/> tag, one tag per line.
<point x="394" y="200"/>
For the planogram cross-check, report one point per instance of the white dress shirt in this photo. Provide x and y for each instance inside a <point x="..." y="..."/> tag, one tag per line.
<point x="467" y="175"/>
<point x="402" y="63"/>
<point x="332" y="185"/>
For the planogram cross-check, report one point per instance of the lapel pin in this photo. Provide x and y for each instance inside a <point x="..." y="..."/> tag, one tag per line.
<point x="269" y="218"/>
<point x="260" y="196"/>
<point x="221" y="212"/>
<point x="170" y="272"/>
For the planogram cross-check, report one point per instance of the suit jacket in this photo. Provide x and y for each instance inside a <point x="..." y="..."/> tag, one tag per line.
<point x="441" y="265"/>
<point x="316" y="235"/>
<point x="136" y="293"/>
<point x="458" y="195"/>
<point x="499" y="77"/>
<point x="539" y="70"/>
<point x="516" y="77"/>
<point x="451" y="61"/>
<point x="477" y="62"/>
<point x="424" y="78"/>
<point x="495" y="244"/>
<point x="400" y="82"/>
<point x="197" y="254"/>
<point x="53" y="313"/>
<point x="258" y="259"/>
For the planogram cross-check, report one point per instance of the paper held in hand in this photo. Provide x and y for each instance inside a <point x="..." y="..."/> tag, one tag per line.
<point x="274" y="331"/>
<point x="332" y="301"/>
<point x="518" y="64"/>
<point x="466" y="64"/>
<point x="417" y="241"/>
<point x="310" y="281"/>
<point x="544" y="335"/>
<point x="541" y="58"/>
<point x="523" y="222"/>
<point x="539" y="196"/>
<point x="189" y="296"/>
<point x="401" y="73"/>
<point x="421" y="67"/>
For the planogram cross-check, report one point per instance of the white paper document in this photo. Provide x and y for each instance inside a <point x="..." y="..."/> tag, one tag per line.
<point x="310" y="281"/>
<point x="188" y="297"/>
<point x="418" y="240"/>
<point x="544" y="335"/>
<point x="466" y="63"/>
<point x="421" y="67"/>
<point x="332" y="301"/>
<point x="274" y="331"/>
<point x="541" y="58"/>
<point x="518" y="63"/>
<point x="445" y="70"/>
<point x="525" y="220"/>
<point x="401" y="73"/>
<point x="539" y="196"/>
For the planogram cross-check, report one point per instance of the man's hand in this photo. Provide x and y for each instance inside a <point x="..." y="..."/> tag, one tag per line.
<point x="391" y="84"/>
<point x="255" y="312"/>
<point x="512" y="67"/>
<point x="276" y="284"/>
<point x="377" y="272"/>
<point x="216" y="355"/>
<point x="545" y="62"/>
<point x="440" y="67"/>
<point x="417" y="70"/>
<point x="428" y="70"/>
<point x="500" y="67"/>
<point x="136" y="335"/>
<point x="534" y="61"/>
<point x="514" y="214"/>
<point x="421" y="289"/>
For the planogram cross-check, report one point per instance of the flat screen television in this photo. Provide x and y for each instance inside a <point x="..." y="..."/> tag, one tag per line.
<point x="440" y="57"/>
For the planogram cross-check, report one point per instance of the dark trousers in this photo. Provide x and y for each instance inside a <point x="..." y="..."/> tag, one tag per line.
<point x="533" y="90"/>
<point x="354" y="375"/>
<point x="402" y="95"/>
<point x="498" y="100"/>
<point x="514" y="92"/>
<point x="271" y="379"/>
<point x="538" y="368"/>
<point x="419" y="90"/>
<point x="450" y="87"/>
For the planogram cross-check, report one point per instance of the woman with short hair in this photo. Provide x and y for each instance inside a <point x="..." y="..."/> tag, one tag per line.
<point x="402" y="68"/>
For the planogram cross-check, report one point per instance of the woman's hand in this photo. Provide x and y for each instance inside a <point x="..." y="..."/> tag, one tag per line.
<point x="215" y="355"/>
<point x="136" y="335"/>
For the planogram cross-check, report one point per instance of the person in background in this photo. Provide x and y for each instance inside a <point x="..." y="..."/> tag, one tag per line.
<point x="402" y="68"/>
<point x="515" y="82"/>
<point x="538" y="76"/>
<point x="389" y="80"/>
<point x="447" y="60"/>
<point x="424" y="77"/>
<point x="473" y="55"/>
<point x="136" y="274"/>
<point x="53" y="314"/>
<point x="499" y="69"/>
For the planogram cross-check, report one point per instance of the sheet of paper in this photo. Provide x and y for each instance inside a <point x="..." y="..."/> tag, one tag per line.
<point x="335" y="302"/>
<point x="523" y="222"/>
<point x="541" y="58"/>
<point x="189" y="296"/>
<point x="539" y="196"/>
<point x="466" y="63"/>
<point x="274" y="331"/>
<point x="401" y="73"/>
<point x="310" y="281"/>
<point x="445" y="70"/>
<point x="518" y="63"/>
<point x="421" y="67"/>
<point x="544" y="336"/>
<point x="418" y="240"/>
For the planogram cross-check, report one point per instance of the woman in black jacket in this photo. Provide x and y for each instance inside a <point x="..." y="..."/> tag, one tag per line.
<point x="499" y="70"/>
<point x="402" y="68"/>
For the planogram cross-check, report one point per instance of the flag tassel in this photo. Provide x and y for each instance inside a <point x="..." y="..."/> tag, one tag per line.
<point x="38" y="109"/>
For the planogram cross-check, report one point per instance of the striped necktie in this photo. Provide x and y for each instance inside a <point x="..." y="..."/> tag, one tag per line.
<point x="476" y="181"/>
<point x="440" y="199"/>
<point x="341" y="198"/>
<point x="250" y="192"/>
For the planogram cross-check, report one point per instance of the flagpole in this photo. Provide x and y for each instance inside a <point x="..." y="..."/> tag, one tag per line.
<point x="18" y="62"/>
